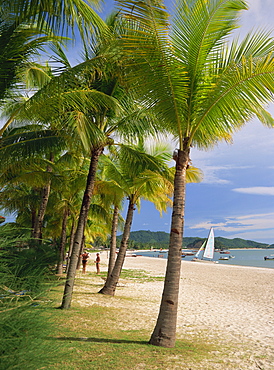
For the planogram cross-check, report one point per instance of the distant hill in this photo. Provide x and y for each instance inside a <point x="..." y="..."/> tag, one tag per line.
<point x="145" y="239"/>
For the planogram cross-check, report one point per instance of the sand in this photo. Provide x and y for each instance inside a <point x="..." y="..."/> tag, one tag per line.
<point x="232" y="306"/>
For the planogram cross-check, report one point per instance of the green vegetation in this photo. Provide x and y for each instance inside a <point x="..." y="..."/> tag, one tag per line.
<point x="86" y="338"/>
<point x="144" y="72"/>
<point x="25" y="279"/>
<point x="145" y="239"/>
<point x="136" y="275"/>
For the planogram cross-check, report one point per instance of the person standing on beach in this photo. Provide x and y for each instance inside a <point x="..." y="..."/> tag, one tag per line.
<point x="97" y="262"/>
<point x="85" y="257"/>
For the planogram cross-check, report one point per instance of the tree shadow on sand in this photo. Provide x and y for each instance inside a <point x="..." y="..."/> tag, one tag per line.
<point x="98" y="340"/>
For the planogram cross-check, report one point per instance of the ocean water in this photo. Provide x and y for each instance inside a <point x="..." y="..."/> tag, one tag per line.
<point x="242" y="257"/>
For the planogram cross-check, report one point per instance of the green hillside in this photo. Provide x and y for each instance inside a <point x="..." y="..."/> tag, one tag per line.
<point x="145" y="239"/>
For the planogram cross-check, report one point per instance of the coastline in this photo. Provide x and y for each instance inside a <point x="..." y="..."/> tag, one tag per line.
<point x="230" y="304"/>
<point x="246" y="257"/>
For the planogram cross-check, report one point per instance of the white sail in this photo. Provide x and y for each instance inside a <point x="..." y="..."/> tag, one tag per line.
<point x="200" y="250"/>
<point x="209" y="249"/>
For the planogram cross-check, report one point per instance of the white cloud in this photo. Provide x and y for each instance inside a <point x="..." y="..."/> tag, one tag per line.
<point x="264" y="236"/>
<point x="259" y="14"/>
<point x="256" y="223"/>
<point x="257" y="190"/>
<point x="211" y="175"/>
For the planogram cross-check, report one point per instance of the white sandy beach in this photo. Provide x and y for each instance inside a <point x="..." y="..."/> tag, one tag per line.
<point x="232" y="305"/>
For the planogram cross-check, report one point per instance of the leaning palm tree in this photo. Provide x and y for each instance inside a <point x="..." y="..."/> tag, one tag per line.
<point x="140" y="176"/>
<point x="113" y="195"/>
<point x="203" y="86"/>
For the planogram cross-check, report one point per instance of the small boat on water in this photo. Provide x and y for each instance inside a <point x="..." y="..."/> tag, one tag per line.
<point x="226" y="257"/>
<point x="187" y="253"/>
<point x="208" y="248"/>
<point x="271" y="257"/>
<point x="225" y="252"/>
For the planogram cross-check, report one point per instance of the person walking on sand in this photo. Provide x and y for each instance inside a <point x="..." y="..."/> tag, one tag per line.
<point x="97" y="262"/>
<point x="85" y="257"/>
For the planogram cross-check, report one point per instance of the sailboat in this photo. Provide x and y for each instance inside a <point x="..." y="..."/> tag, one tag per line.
<point x="208" y="248"/>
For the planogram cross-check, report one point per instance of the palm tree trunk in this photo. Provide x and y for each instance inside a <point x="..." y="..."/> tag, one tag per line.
<point x="72" y="234"/>
<point x="62" y="242"/>
<point x="67" y="297"/>
<point x="113" y="278"/>
<point x="164" y="333"/>
<point x="80" y="254"/>
<point x="112" y="249"/>
<point x="38" y="225"/>
<point x="33" y="219"/>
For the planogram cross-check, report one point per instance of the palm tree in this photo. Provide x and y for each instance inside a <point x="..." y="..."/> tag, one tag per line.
<point x="27" y="25"/>
<point x="203" y="87"/>
<point x="147" y="177"/>
<point x="113" y="195"/>
<point x="23" y="152"/>
<point x="139" y="175"/>
<point x="67" y="184"/>
<point x="91" y="100"/>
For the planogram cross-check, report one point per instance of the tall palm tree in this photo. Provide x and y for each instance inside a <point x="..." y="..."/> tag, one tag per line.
<point x="91" y="100"/>
<point x="204" y="88"/>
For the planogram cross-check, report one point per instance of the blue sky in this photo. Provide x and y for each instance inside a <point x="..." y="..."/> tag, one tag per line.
<point x="237" y="194"/>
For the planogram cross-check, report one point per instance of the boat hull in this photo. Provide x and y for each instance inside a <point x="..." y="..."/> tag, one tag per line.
<point x="204" y="261"/>
<point x="269" y="258"/>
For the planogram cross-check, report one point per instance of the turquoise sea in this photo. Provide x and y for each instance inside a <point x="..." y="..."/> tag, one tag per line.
<point x="242" y="257"/>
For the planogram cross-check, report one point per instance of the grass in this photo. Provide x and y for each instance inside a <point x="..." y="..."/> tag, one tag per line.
<point x="88" y="339"/>
<point x="137" y="275"/>
<point x="39" y="336"/>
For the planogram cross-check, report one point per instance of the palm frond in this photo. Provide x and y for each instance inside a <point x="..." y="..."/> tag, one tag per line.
<point x="57" y="16"/>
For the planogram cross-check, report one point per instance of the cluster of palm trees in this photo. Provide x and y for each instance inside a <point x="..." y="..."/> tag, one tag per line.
<point x="78" y="140"/>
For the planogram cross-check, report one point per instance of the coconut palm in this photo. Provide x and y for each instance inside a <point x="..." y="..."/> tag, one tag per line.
<point x="140" y="176"/>
<point x="203" y="86"/>
<point x="24" y="152"/>
<point x="68" y="182"/>
<point x="113" y="195"/>
<point x="92" y="101"/>
<point x="147" y="177"/>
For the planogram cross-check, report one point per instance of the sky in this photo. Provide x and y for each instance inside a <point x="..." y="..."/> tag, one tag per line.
<point x="236" y="196"/>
